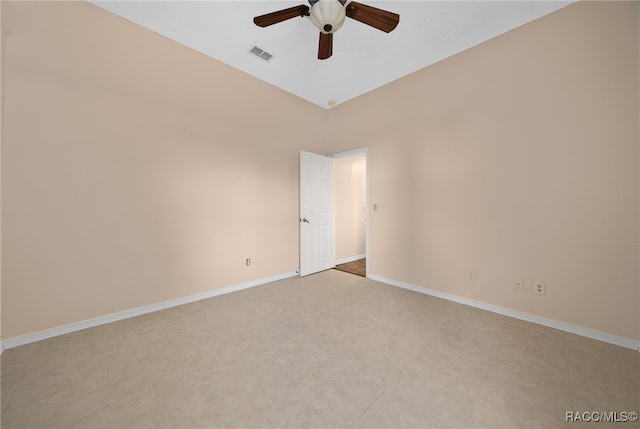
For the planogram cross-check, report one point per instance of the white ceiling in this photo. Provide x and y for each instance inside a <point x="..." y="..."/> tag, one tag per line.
<point x="363" y="58"/>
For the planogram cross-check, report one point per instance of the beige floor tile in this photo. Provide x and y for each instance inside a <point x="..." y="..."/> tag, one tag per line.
<point x="132" y="389"/>
<point x="342" y="335"/>
<point x="35" y="415"/>
<point x="25" y="361"/>
<point x="604" y="376"/>
<point x="184" y="370"/>
<point x="81" y="403"/>
<point x="45" y="394"/>
<point x="329" y="350"/>
<point x="607" y="392"/>
<point x="88" y="372"/>
<point x="116" y="416"/>
<point x="201" y="332"/>
<point x="490" y="414"/>
<point x="360" y="378"/>
<point x="441" y="386"/>
<point x="438" y="365"/>
<point x="395" y="351"/>
<point x="51" y="386"/>
<point x="535" y="357"/>
<point x="341" y="318"/>
<point x="187" y="411"/>
<point x="286" y="327"/>
<point x="202" y="364"/>
<point x="78" y="404"/>
<point x="7" y="391"/>
<point x="244" y="346"/>
<point x="139" y="346"/>
<point x="237" y="394"/>
<point x="244" y="310"/>
<point x="315" y="403"/>
<point x="444" y="401"/>
<point x="121" y="365"/>
<point x="290" y="362"/>
<point x="256" y="420"/>
<point x="337" y="346"/>
<point x="389" y="412"/>
<point x="528" y="402"/>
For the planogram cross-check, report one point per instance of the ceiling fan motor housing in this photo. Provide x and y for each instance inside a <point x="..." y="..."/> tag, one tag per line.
<point x="328" y="15"/>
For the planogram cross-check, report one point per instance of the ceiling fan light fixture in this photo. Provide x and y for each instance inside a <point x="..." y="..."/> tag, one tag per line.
<point x="328" y="15"/>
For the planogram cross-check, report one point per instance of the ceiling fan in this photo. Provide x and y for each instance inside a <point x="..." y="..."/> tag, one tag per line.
<point x="329" y="15"/>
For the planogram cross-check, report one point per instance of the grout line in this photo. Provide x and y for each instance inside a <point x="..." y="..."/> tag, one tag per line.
<point x="227" y="367"/>
<point x="273" y="340"/>
<point x="289" y="388"/>
<point x="153" y="393"/>
<point x="9" y="398"/>
<point x="378" y="395"/>
<point x="175" y="346"/>
<point x="273" y="344"/>
<point x="569" y="367"/>
<point x="69" y="352"/>
<point x="299" y="381"/>
<point x="400" y="371"/>
<point x="106" y="370"/>
<point x="53" y="417"/>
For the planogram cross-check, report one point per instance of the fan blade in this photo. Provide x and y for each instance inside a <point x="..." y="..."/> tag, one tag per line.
<point x="325" y="46"/>
<point x="377" y="18"/>
<point x="281" y="15"/>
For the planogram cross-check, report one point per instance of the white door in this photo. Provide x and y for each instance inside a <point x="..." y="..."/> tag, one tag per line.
<point x="317" y="249"/>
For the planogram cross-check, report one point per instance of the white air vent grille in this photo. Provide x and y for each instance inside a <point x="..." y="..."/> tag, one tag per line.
<point x="262" y="54"/>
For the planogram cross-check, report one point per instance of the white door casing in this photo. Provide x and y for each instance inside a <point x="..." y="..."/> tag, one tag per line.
<point x="317" y="247"/>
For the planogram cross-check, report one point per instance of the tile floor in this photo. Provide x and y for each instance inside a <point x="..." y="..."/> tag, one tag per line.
<point x="332" y="350"/>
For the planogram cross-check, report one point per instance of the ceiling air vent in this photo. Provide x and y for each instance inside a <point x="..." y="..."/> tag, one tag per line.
<point x="263" y="55"/>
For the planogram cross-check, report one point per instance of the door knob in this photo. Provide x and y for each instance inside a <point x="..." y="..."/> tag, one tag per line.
<point x="304" y="219"/>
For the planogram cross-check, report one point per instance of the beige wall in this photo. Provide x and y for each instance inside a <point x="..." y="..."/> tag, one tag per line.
<point x="137" y="171"/>
<point x="517" y="159"/>
<point x="350" y="199"/>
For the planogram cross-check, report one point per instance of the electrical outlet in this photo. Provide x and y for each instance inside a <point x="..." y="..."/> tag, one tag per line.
<point x="472" y="276"/>
<point x="248" y="261"/>
<point x="518" y="284"/>
<point x="538" y="288"/>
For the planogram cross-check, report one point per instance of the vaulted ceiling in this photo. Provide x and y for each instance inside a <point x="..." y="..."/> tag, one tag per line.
<point x="363" y="58"/>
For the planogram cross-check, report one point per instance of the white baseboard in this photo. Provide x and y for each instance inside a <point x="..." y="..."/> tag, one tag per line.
<point x="73" y="327"/>
<point x="350" y="259"/>
<point x="567" y="327"/>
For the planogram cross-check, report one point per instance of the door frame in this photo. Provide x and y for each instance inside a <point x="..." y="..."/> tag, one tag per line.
<point x="346" y="154"/>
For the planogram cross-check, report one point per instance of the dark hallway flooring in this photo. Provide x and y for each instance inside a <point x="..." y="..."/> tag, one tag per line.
<point x="358" y="267"/>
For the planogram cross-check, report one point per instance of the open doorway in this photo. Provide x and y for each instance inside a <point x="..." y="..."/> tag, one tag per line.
<point x="350" y="205"/>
